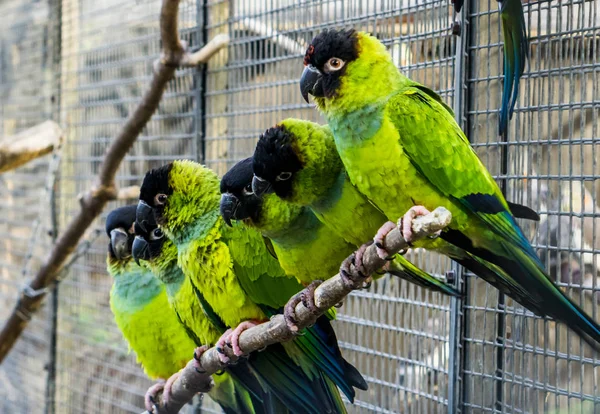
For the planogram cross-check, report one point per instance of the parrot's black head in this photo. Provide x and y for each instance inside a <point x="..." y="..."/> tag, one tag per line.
<point x="238" y="201"/>
<point x="325" y="62"/>
<point x="147" y="243"/>
<point x="275" y="163"/>
<point x="119" y="228"/>
<point x="154" y="195"/>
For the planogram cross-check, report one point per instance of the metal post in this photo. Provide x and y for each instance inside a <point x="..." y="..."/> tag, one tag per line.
<point x="456" y="350"/>
<point x="202" y="73"/>
<point x="55" y="16"/>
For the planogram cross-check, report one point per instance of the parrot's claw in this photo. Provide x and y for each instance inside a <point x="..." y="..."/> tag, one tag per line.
<point x="220" y="345"/>
<point x="405" y="223"/>
<point x="289" y="312"/>
<point x="307" y="297"/>
<point x="150" y="397"/>
<point x="379" y="240"/>
<point x="234" y="340"/>
<point x="197" y="355"/>
<point x="353" y="272"/>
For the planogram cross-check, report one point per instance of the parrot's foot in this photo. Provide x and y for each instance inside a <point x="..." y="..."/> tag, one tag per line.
<point x="353" y="272"/>
<point x="234" y="338"/>
<point x="223" y="340"/>
<point x="406" y="222"/>
<point x="197" y="355"/>
<point x="307" y="297"/>
<point x="380" y="238"/>
<point x="150" y="397"/>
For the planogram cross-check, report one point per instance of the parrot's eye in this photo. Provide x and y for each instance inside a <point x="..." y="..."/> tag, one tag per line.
<point x="160" y="199"/>
<point x="248" y="190"/>
<point x="334" y="64"/>
<point x="157" y="234"/>
<point x="283" y="176"/>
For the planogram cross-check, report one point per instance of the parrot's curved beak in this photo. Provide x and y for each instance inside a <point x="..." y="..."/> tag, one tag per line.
<point x="119" y="242"/>
<point x="139" y="250"/>
<point x="228" y="206"/>
<point x="311" y="82"/>
<point x="260" y="186"/>
<point x="144" y="216"/>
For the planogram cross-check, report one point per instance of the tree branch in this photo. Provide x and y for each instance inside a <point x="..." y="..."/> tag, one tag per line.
<point x="281" y="40"/>
<point x="328" y="294"/>
<point x="93" y="202"/>
<point x="129" y="193"/>
<point x="29" y="144"/>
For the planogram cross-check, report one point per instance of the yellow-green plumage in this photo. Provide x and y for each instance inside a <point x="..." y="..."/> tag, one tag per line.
<point x="305" y="248"/>
<point x="402" y="147"/>
<point x="139" y="304"/>
<point x="241" y="281"/>
<point x="236" y="390"/>
<point x="322" y="184"/>
<point x="182" y="297"/>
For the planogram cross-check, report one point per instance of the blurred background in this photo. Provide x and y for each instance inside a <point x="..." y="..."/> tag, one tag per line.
<point x="85" y="63"/>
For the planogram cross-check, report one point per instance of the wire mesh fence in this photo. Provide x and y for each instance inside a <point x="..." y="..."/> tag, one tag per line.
<point x="86" y="63"/>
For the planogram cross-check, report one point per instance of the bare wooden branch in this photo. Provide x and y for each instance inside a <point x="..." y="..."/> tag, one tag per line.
<point x="29" y="144"/>
<point x="129" y="193"/>
<point x="94" y="201"/>
<point x="281" y="40"/>
<point x="202" y="56"/>
<point x="327" y="295"/>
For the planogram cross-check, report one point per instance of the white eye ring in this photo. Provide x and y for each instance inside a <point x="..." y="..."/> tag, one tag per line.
<point x="160" y="199"/>
<point x="157" y="234"/>
<point x="333" y="65"/>
<point x="247" y="190"/>
<point x="286" y="175"/>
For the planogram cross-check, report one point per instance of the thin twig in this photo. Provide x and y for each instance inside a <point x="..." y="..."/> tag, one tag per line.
<point x="326" y="295"/>
<point x="94" y="201"/>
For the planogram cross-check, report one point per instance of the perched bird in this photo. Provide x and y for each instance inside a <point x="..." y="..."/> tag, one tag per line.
<point x="238" y="389"/>
<point x="404" y="151"/>
<point x="516" y="53"/>
<point x="299" y="162"/>
<point x="304" y="153"/>
<point x="244" y="285"/>
<point x="138" y="301"/>
<point x="305" y="248"/>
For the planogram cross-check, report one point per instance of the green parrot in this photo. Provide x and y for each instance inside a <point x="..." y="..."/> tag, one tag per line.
<point x="155" y="332"/>
<point x="138" y="301"/>
<point x="304" y="154"/>
<point x="403" y="150"/>
<point x="244" y="285"/>
<point x="298" y="161"/>
<point x="305" y="248"/>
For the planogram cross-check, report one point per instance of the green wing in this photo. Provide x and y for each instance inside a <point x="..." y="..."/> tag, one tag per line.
<point x="259" y="273"/>
<point x="437" y="146"/>
<point x="316" y="353"/>
<point x="440" y="151"/>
